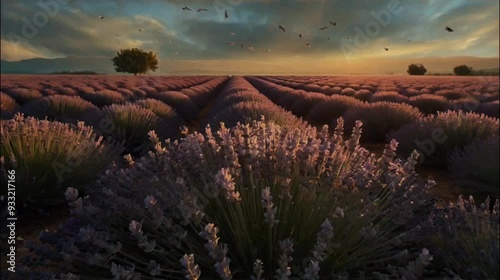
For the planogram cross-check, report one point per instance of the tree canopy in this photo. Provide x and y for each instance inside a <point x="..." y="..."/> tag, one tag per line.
<point x="462" y="70"/>
<point x="416" y="69"/>
<point x="135" y="61"/>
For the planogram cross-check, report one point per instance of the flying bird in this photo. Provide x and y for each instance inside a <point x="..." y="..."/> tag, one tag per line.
<point x="282" y="28"/>
<point x="267" y="50"/>
<point x="230" y="43"/>
<point x="101" y="17"/>
<point x="333" y="23"/>
<point x="201" y="10"/>
<point x="232" y="33"/>
<point x="118" y="35"/>
<point x="386" y="49"/>
<point x="226" y="15"/>
<point x="308" y="45"/>
<point x="242" y="45"/>
<point x="251" y="48"/>
<point x="140" y="30"/>
<point x="448" y="29"/>
<point x="323" y="28"/>
<point x="328" y="38"/>
<point x="186" y="9"/>
<point x="300" y="35"/>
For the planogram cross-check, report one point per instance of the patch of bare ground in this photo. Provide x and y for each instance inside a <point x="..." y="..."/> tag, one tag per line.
<point x="195" y="124"/>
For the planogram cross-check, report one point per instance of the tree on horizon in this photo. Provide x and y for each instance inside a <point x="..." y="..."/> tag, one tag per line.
<point x="135" y="61"/>
<point x="416" y="69"/>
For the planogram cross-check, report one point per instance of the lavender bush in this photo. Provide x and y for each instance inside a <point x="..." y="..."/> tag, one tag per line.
<point x="452" y="94"/>
<point x="8" y="106"/>
<point x="455" y="130"/>
<point x="429" y="103"/>
<point x="162" y="110"/>
<point x="476" y="165"/>
<point x="257" y="201"/>
<point x="180" y="102"/>
<point x="363" y="95"/>
<point x="380" y="118"/>
<point x="334" y="107"/>
<point x="58" y="108"/>
<point x="466" y="239"/>
<point x="23" y="95"/>
<point x="302" y="106"/>
<point x="103" y="97"/>
<point x="253" y="110"/>
<point x="49" y="156"/>
<point x="131" y="123"/>
<point x="388" y="96"/>
<point x="242" y="96"/>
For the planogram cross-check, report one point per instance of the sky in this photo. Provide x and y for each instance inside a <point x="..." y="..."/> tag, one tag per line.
<point x="186" y="41"/>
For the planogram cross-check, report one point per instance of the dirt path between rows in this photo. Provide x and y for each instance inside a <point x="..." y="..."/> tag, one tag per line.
<point x="196" y="123"/>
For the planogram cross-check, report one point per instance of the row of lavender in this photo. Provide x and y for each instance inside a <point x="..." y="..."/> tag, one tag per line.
<point x="182" y="92"/>
<point x="429" y="95"/>
<point x="451" y="139"/>
<point x="484" y="87"/>
<point x="56" y="131"/>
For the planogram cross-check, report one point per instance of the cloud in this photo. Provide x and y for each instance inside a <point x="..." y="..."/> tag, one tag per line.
<point x="416" y="31"/>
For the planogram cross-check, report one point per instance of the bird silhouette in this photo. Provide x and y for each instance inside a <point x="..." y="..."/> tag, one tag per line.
<point x="251" y="48"/>
<point x="300" y="35"/>
<point x="333" y="23"/>
<point x="448" y="29"/>
<point x="323" y="28"/>
<point x="328" y="38"/>
<point x="118" y="35"/>
<point x="308" y="45"/>
<point x="282" y="28"/>
<point x="242" y="45"/>
<point x="226" y="15"/>
<point x="186" y="9"/>
<point x="232" y="33"/>
<point x="230" y="43"/>
<point x="386" y="49"/>
<point x="140" y="29"/>
<point x="201" y="10"/>
<point x="101" y="17"/>
<point x="267" y="50"/>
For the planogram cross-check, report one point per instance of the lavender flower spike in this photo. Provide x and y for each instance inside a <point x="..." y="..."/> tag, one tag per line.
<point x="192" y="270"/>
<point x="268" y="205"/>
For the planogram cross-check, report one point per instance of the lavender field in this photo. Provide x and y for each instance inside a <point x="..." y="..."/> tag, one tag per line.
<point x="252" y="177"/>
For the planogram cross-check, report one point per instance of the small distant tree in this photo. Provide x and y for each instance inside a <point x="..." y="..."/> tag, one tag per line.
<point x="135" y="61"/>
<point x="462" y="70"/>
<point x="416" y="69"/>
